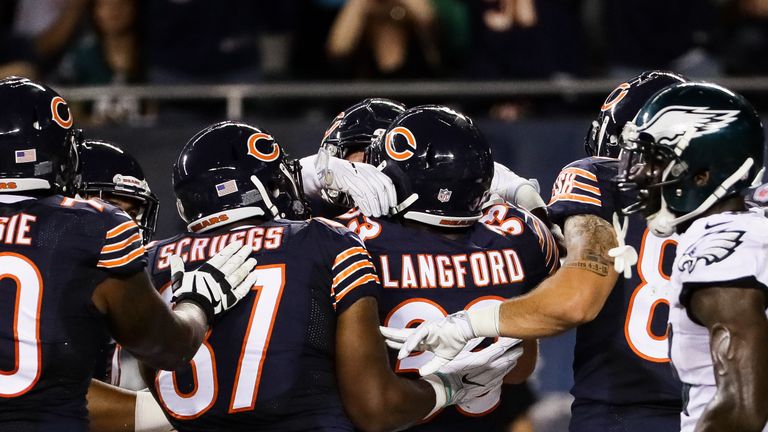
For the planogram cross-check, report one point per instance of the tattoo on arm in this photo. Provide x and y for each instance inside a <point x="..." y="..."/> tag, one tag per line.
<point x="588" y="238"/>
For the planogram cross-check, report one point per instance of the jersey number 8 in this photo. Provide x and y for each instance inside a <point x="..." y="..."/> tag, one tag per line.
<point x="653" y="290"/>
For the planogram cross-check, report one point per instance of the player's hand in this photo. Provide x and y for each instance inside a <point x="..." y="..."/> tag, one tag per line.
<point x="219" y="283"/>
<point x="474" y="374"/>
<point x="624" y="255"/>
<point x="515" y="189"/>
<point x="372" y="192"/>
<point x="444" y="338"/>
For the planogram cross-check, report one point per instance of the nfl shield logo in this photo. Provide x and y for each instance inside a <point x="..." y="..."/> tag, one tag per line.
<point x="444" y="195"/>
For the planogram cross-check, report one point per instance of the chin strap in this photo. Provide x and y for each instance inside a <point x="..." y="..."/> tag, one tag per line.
<point x="663" y="222"/>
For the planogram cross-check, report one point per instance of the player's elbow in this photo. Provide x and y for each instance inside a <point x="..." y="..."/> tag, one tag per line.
<point x="579" y="310"/>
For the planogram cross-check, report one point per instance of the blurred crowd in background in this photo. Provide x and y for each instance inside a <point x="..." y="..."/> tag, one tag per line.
<point x="233" y="41"/>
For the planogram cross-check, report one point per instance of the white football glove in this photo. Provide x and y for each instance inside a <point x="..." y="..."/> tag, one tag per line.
<point x="370" y="190"/>
<point x="472" y="375"/>
<point x="219" y="283"/>
<point x="445" y="338"/>
<point x="624" y="255"/>
<point x="515" y="189"/>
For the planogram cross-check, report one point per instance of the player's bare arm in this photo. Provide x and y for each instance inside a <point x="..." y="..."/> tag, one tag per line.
<point x="373" y="396"/>
<point x="738" y="332"/>
<point x="575" y="294"/>
<point x="113" y="409"/>
<point x="140" y="321"/>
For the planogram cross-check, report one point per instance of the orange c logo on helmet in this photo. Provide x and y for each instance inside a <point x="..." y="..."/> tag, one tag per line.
<point x="55" y="102"/>
<point x="409" y="139"/>
<point x="253" y="151"/>
<point x="614" y="98"/>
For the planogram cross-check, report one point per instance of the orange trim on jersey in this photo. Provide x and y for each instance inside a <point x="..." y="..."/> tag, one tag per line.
<point x="359" y="281"/>
<point x="349" y="270"/>
<point x="589" y="188"/>
<point x="16" y="338"/>
<point x="266" y="342"/>
<point x="582" y="172"/>
<point x="117" y="262"/>
<point x="123" y="227"/>
<point x="650" y="321"/>
<point x="576" y="197"/>
<point x="348" y="253"/>
<point x="121" y="245"/>
<point x="643" y="283"/>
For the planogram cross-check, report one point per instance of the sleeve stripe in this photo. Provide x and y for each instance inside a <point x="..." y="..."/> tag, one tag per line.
<point x="348" y="253"/>
<point x="117" y="262"/>
<point x="359" y="281"/>
<point x="588" y="188"/>
<point x="582" y="172"/>
<point x="123" y="227"/>
<point x="349" y="270"/>
<point x="121" y="245"/>
<point x="577" y="198"/>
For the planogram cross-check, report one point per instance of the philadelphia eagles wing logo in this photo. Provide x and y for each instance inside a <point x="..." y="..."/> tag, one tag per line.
<point x="712" y="247"/>
<point x="672" y="122"/>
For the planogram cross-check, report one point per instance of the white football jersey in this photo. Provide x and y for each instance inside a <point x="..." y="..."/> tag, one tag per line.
<point x="719" y="248"/>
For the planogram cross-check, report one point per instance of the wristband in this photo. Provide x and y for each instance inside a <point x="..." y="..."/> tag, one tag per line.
<point x="441" y="393"/>
<point x="485" y="321"/>
<point x="149" y="417"/>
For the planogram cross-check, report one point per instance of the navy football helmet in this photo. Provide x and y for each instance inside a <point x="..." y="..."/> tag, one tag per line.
<point x="106" y="170"/>
<point x="231" y="171"/>
<point x="36" y="138"/>
<point x="355" y="128"/>
<point x="440" y="164"/>
<point x="621" y="106"/>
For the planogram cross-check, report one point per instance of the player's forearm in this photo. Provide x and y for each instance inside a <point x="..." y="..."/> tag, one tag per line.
<point x="394" y="404"/>
<point x="178" y="336"/>
<point x="184" y="336"/>
<point x="111" y="409"/>
<point x="569" y="298"/>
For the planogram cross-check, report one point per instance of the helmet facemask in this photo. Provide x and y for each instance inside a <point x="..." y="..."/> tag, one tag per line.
<point x="658" y="173"/>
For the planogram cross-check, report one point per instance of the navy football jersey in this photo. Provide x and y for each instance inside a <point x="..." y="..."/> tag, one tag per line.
<point x="268" y="364"/>
<point x="54" y="251"/>
<point x="425" y="276"/>
<point x="621" y="357"/>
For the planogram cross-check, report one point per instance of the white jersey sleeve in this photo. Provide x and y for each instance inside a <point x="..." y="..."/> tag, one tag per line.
<point x="309" y="177"/>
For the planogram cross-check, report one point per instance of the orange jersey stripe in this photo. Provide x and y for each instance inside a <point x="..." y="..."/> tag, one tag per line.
<point x="348" y="253"/>
<point x="349" y="270"/>
<point x="121" y="245"/>
<point x="589" y="188"/>
<point x="117" y="262"/>
<point x="359" y="281"/>
<point x="123" y="227"/>
<point x="576" y="197"/>
<point x="584" y="173"/>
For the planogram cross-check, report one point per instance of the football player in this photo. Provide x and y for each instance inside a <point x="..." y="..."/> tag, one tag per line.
<point x="108" y="172"/>
<point x="434" y="256"/>
<point x="621" y="376"/>
<point x="305" y="348"/>
<point x="691" y="154"/>
<point x="337" y="179"/>
<point x="72" y="273"/>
